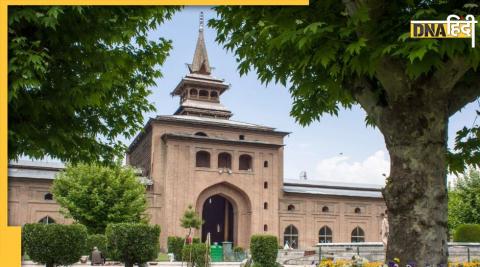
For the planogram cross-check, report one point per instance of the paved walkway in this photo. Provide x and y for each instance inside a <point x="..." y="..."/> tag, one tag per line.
<point x="157" y="264"/>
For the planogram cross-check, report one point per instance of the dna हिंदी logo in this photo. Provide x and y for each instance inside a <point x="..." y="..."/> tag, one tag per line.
<point x="453" y="27"/>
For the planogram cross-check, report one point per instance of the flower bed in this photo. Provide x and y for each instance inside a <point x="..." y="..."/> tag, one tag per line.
<point x="356" y="263"/>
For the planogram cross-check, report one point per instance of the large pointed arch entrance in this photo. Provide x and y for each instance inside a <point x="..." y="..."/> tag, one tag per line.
<point x="226" y="211"/>
<point x="218" y="217"/>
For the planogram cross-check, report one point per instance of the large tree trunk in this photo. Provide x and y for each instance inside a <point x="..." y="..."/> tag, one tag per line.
<point x="416" y="193"/>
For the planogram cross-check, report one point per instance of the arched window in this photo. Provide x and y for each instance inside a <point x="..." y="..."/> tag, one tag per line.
<point x="47" y="220"/>
<point x="358" y="210"/>
<point x="193" y="92"/>
<point x="200" y="134"/>
<point x="265" y="227"/>
<point x="245" y="162"/>
<point x="213" y="95"/>
<point x="265" y="185"/>
<point x="265" y="164"/>
<point x="291" y="207"/>
<point x="290" y="235"/>
<point x="358" y="235"/>
<point x="265" y="205"/>
<point x="203" y="93"/>
<point x="325" y="235"/>
<point x="203" y="159"/>
<point x="325" y="209"/>
<point x="48" y="196"/>
<point x="224" y="160"/>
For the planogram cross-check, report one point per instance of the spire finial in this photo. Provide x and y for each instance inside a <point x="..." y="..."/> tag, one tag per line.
<point x="200" y="58"/>
<point x="201" y="21"/>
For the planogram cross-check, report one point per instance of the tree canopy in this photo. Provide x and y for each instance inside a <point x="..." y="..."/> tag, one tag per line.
<point x="95" y="195"/>
<point x="334" y="54"/>
<point x="78" y="78"/>
<point x="464" y="200"/>
<point x="328" y="52"/>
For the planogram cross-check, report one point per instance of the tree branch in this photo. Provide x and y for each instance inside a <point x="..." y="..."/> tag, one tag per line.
<point x="464" y="92"/>
<point x="448" y="75"/>
<point x="365" y="93"/>
<point x="391" y="75"/>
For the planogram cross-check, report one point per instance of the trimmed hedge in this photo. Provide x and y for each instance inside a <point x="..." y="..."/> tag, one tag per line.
<point x="264" y="249"/>
<point x="195" y="254"/>
<point x="175" y="246"/>
<point x="54" y="244"/>
<point x="96" y="240"/>
<point x="133" y="243"/>
<point x="467" y="233"/>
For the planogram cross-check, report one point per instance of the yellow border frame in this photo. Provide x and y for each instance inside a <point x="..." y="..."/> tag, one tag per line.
<point x="10" y="237"/>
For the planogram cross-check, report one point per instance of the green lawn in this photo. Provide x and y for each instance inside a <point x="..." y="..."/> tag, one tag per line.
<point x="162" y="257"/>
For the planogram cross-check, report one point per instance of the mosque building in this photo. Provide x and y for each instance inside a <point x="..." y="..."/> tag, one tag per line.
<point x="231" y="172"/>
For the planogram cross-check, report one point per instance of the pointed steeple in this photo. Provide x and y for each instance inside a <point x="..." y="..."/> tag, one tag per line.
<point x="200" y="62"/>
<point x="199" y="91"/>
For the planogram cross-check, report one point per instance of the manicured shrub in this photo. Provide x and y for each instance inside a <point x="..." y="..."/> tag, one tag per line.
<point x="99" y="241"/>
<point x="467" y="233"/>
<point x="133" y="243"/>
<point x="196" y="254"/>
<point x="175" y="245"/>
<point x="54" y="244"/>
<point x="264" y="249"/>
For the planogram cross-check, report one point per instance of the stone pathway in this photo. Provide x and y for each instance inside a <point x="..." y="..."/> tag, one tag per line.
<point x="158" y="264"/>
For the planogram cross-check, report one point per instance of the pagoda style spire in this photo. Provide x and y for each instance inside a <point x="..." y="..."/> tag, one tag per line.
<point x="200" y="62"/>
<point x="199" y="91"/>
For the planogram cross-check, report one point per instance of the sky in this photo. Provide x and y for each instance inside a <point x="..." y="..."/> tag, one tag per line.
<point x="339" y="148"/>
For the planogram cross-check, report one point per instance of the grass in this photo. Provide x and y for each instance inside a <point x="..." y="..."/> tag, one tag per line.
<point x="162" y="257"/>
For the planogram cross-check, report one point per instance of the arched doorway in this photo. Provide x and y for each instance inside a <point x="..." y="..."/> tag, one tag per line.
<point x="239" y="206"/>
<point x="218" y="217"/>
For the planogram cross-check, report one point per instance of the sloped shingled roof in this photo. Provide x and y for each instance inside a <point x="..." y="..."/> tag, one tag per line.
<point x="327" y="188"/>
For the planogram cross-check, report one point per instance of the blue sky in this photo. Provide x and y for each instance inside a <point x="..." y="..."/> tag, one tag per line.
<point x="336" y="148"/>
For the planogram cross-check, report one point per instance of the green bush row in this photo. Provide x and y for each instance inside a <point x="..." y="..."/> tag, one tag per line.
<point x="467" y="233"/>
<point x="175" y="246"/>
<point x="58" y="244"/>
<point x="264" y="249"/>
<point x="196" y="254"/>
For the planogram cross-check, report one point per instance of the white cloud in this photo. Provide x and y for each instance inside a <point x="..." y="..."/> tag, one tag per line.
<point x="341" y="169"/>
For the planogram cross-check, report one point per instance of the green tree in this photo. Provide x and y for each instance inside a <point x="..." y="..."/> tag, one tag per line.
<point x="464" y="200"/>
<point x="191" y="220"/>
<point x="333" y="54"/>
<point x="78" y="78"/>
<point x="95" y="195"/>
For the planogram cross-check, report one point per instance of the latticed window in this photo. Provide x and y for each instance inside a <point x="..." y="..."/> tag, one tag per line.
<point x="325" y="235"/>
<point x="47" y="220"/>
<point x="203" y="93"/>
<point x="224" y="160"/>
<point x="213" y="95"/>
<point x="245" y="162"/>
<point x="48" y="196"/>
<point x="203" y="159"/>
<point x="290" y="235"/>
<point x="193" y="92"/>
<point x="358" y="235"/>
<point x="200" y="134"/>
